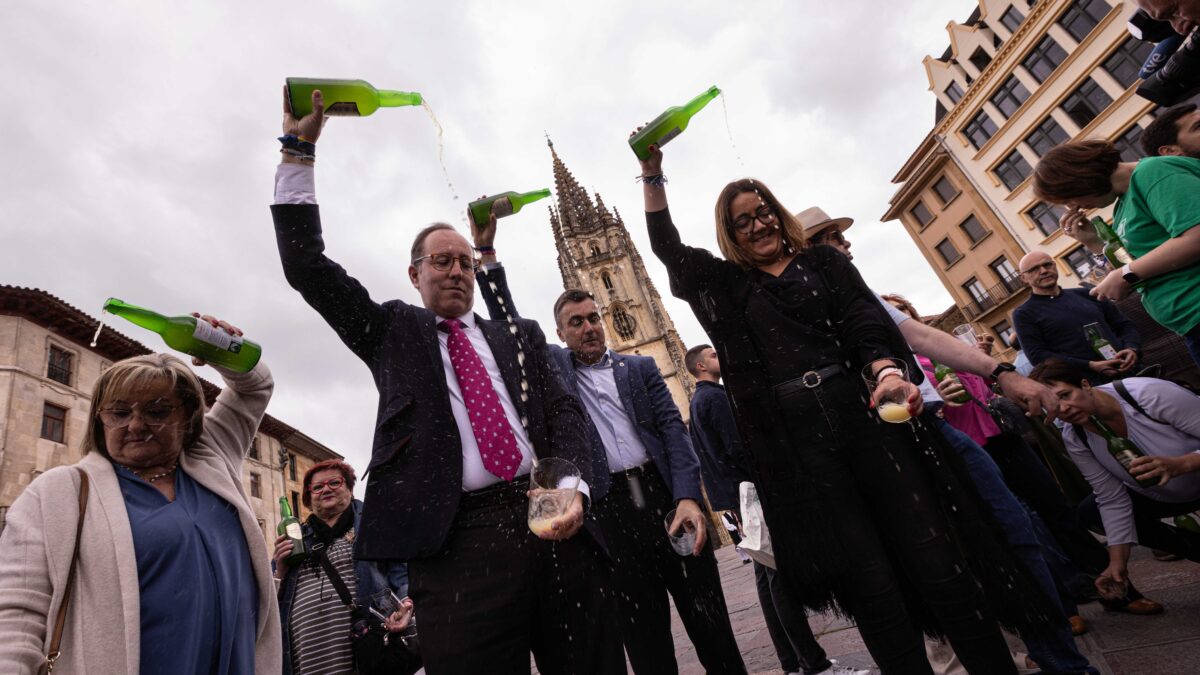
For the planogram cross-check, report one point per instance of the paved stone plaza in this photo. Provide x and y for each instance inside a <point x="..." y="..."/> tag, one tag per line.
<point x="1117" y="644"/>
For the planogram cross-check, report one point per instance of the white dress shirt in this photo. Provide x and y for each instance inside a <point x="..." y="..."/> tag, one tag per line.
<point x="598" y="392"/>
<point x="296" y="184"/>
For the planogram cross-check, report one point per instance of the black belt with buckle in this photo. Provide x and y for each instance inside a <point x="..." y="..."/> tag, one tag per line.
<point x="810" y="380"/>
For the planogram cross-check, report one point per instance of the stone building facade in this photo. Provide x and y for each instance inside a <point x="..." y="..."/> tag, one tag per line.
<point x="1018" y="78"/>
<point x="596" y="254"/>
<point x="47" y="371"/>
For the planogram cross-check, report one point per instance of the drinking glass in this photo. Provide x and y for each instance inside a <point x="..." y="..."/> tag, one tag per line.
<point x="685" y="540"/>
<point x="966" y="333"/>
<point x="894" y="406"/>
<point x="553" y="484"/>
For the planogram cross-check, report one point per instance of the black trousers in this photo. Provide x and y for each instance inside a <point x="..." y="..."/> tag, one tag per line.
<point x="874" y="486"/>
<point x="1151" y="531"/>
<point x="787" y="623"/>
<point x="645" y="569"/>
<point x="496" y="592"/>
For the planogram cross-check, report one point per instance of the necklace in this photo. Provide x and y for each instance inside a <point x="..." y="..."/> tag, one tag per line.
<point x="154" y="477"/>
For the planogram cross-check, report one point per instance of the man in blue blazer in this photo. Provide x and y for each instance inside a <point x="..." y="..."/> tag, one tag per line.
<point x="643" y="466"/>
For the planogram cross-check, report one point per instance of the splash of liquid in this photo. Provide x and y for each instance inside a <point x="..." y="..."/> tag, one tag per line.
<point x="512" y="328"/>
<point x="441" y="144"/>
<point x="729" y="131"/>
<point x="99" y="327"/>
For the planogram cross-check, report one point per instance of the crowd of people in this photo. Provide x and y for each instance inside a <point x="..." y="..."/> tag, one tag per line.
<point x="979" y="515"/>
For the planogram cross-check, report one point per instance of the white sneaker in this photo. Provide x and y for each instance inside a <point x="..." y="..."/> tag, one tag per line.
<point x="835" y="669"/>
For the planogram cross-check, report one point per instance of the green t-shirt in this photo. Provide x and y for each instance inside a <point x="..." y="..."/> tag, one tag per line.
<point x="1163" y="202"/>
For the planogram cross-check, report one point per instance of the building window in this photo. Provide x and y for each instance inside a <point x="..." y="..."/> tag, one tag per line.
<point x="1010" y="96"/>
<point x="254" y="448"/>
<point x="296" y="503"/>
<point x="954" y="92"/>
<point x="1005" y="331"/>
<point x="623" y="323"/>
<point x="1086" y="103"/>
<point x="606" y="280"/>
<point x="974" y="231"/>
<point x="54" y="422"/>
<point x="1045" y="217"/>
<point x="1013" y="170"/>
<point x="1082" y="17"/>
<point x="1012" y="18"/>
<point x="950" y="254"/>
<point x="58" y="365"/>
<point x="1125" y="63"/>
<point x="978" y="293"/>
<point x="595" y="250"/>
<point x="1047" y="135"/>
<point x="1127" y="143"/>
<point x="980" y="58"/>
<point x="1044" y="58"/>
<point x="255" y="485"/>
<point x="922" y="214"/>
<point x="1082" y="262"/>
<point x="980" y="129"/>
<point x="1005" y="273"/>
<point x="291" y="460"/>
<point x="945" y="190"/>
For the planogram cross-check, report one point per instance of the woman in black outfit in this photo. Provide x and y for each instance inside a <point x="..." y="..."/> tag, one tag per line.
<point x="858" y="509"/>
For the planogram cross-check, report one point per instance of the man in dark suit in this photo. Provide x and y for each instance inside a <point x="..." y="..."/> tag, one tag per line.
<point x="644" y="467"/>
<point x="465" y="406"/>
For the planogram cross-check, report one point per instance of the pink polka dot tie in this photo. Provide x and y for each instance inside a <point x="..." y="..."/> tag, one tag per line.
<point x="497" y="445"/>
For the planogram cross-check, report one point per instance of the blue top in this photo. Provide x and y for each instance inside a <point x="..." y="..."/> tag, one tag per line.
<point x="199" y="598"/>
<point x="1052" y="325"/>
<point x="598" y="392"/>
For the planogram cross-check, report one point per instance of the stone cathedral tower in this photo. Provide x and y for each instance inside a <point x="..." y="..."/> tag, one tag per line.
<point x="596" y="254"/>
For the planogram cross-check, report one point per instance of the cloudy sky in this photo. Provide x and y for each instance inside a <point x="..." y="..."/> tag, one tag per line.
<point x="140" y="146"/>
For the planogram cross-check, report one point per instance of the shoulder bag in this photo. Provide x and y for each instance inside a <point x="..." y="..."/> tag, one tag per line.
<point x="60" y="621"/>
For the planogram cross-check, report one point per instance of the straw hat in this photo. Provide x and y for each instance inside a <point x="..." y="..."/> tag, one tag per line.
<point x="815" y="220"/>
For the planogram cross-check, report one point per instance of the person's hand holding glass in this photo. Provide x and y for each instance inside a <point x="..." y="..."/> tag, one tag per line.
<point x="893" y="396"/>
<point x="555" y="505"/>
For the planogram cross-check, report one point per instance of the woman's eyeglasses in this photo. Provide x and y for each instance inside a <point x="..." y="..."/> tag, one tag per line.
<point x="764" y="215"/>
<point x="154" y="414"/>
<point x="332" y="484"/>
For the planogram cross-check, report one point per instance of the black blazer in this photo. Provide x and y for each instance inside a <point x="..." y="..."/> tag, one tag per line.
<point x="414" y="479"/>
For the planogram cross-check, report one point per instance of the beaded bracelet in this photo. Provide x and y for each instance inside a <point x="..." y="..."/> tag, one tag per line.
<point x="486" y="250"/>
<point x="657" y="180"/>
<point x="304" y="147"/>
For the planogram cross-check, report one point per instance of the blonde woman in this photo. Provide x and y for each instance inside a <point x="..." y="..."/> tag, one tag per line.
<point x="173" y="575"/>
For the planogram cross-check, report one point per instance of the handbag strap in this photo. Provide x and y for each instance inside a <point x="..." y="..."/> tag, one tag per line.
<point x="60" y="621"/>
<point x="1124" y="392"/>
<point x="319" y="552"/>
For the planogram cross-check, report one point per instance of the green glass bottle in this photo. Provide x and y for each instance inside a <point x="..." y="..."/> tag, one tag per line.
<point x="189" y="335"/>
<point x="1114" y="250"/>
<point x="1187" y="522"/>
<point x="1099" y="343"/>
<point x="349" y="98"/>
<point x="941" y="371"/>
<point x="289" y="526"/>
<point x="507" y="203"/>
<point x="1123" y="450"/>
<point x="669" y="124"/>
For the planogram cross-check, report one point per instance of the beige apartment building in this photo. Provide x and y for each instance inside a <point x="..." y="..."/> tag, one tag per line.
<point x="1017" y="79"/>
<point x="47" y="371"/>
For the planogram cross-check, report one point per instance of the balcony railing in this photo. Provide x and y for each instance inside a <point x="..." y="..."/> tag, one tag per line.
<point x="993" y="298"/>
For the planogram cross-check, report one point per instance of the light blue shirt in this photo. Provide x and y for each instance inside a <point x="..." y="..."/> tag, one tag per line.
<point x="598" y="391"/>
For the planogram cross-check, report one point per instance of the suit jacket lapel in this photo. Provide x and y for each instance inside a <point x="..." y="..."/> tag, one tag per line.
<point x="621" y="375"/>
<point x="504" y="349"/>
<point x="429" y="331"/>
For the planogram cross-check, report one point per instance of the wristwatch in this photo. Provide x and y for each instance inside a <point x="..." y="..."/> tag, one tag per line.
<point x="1129" y="275"/>
<point x="1003" y="368"/>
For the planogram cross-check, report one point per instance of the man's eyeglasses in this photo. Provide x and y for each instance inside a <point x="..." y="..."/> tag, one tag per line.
<point x="154" y="414"/>
<point x="332" y="484"/>
<point x="442" y="262"/>
<point x="764" y="215"/>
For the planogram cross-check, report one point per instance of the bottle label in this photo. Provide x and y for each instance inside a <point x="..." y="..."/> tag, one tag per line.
<point x="342" y="109"/>
<point x="1106" y="351"/>
<point x="293" y="531"/>
<point x="668" y="136"/>
<point x="206" y="333"/>
<point x="502" y="207"/>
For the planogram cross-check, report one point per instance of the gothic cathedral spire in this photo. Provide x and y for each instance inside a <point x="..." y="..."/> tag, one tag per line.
<point x="595" y="253"/>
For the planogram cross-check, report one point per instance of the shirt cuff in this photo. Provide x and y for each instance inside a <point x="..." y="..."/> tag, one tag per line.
<point x="492" y="266"/>
<point x="295" y="184"/>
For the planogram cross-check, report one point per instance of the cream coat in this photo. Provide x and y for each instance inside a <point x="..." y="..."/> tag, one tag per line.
<point x="102" y="631"/>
